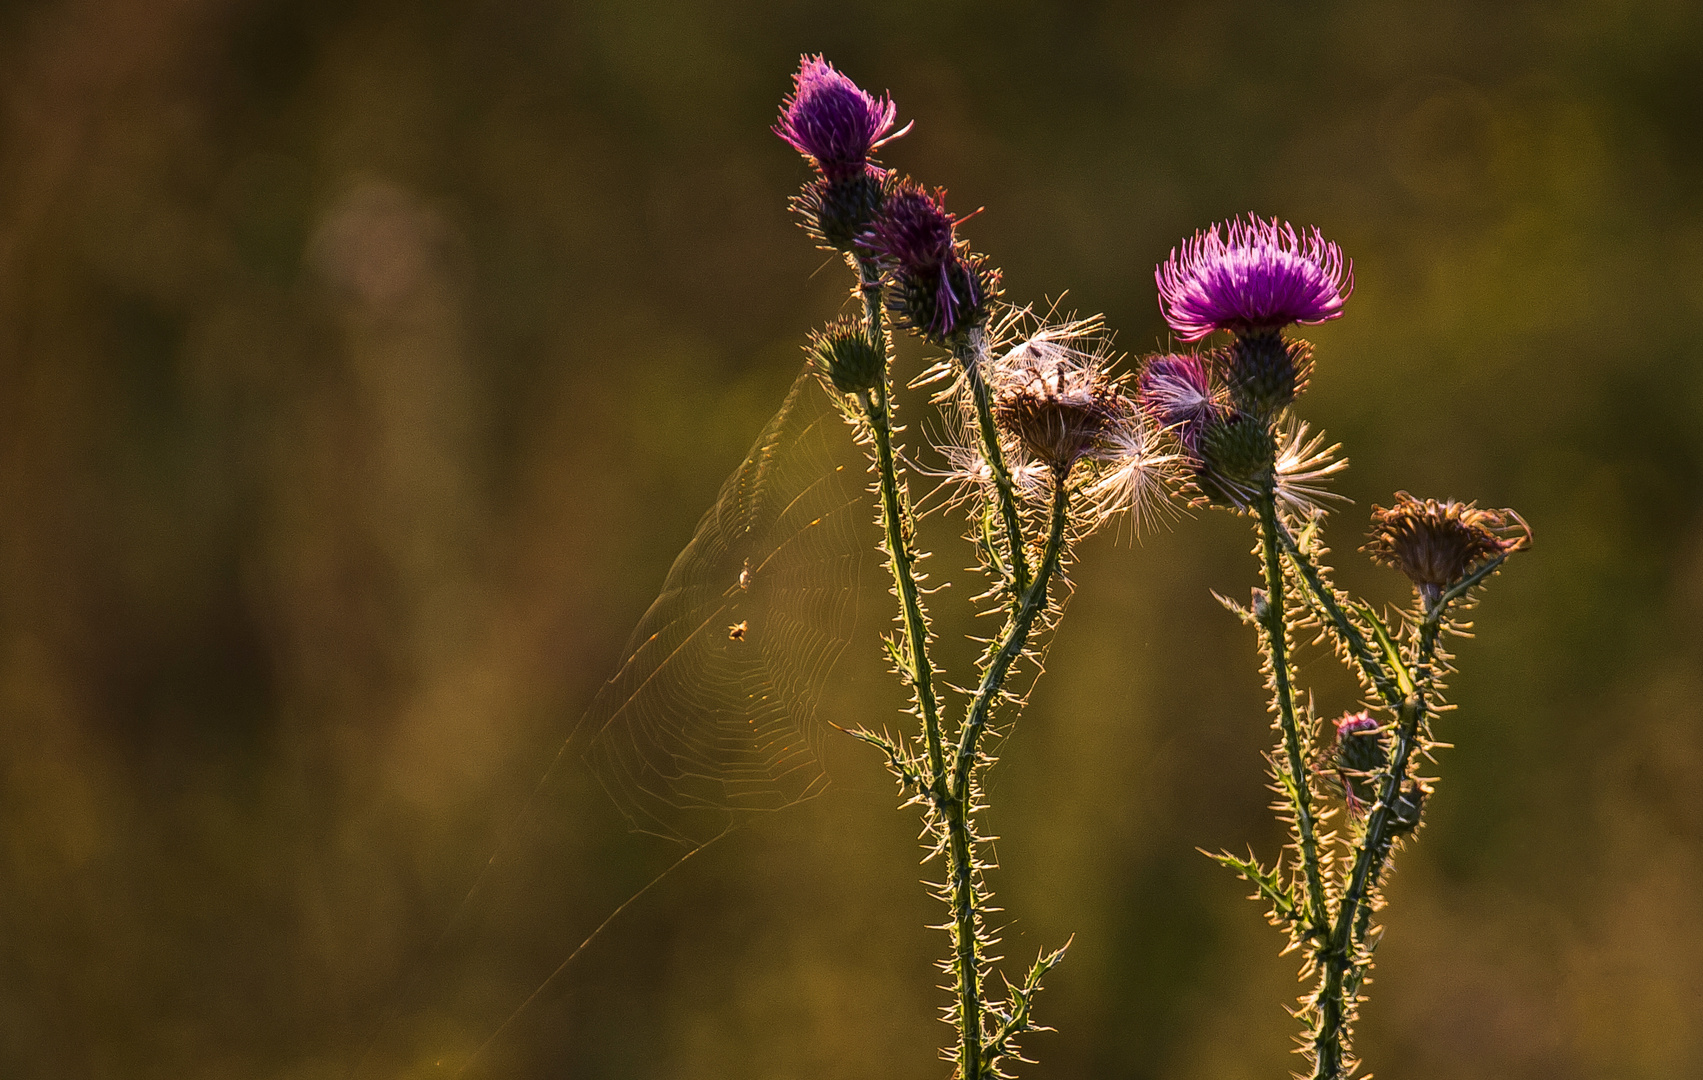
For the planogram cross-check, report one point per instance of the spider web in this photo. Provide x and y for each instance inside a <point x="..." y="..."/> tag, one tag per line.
<point x="698" y="727"/>
<point x="713" y="711"/>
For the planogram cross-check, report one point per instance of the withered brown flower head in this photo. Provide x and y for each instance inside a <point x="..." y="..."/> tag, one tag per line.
<point x="1057" y="401"/>
<point x="1438" y="543"/>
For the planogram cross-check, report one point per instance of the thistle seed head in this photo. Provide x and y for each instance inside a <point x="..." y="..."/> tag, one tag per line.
<point x="1056" y="400"/>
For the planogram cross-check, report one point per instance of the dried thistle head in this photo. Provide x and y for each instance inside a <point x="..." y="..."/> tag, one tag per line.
<point x="1437" y="544"/>
<point x="1057" y="404"/>
<point x="1052" y="393"/>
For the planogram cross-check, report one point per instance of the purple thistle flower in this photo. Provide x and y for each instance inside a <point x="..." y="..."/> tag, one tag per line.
<point x="1252" y="275"/>
<point x="1176" y="392"/>
<point x="938" y="288"/>
<point x="913" y="230"/>
<point x="831" y="120"/>
<point x="1356" y="723"/>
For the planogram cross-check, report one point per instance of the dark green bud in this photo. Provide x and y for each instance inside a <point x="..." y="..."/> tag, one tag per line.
<point x="1237" y="459"/>
<point x="1360" y="746"/>
<point x="1266" y="371"/>
<point x="837" y="212"/>
<point x="842" y="351"/>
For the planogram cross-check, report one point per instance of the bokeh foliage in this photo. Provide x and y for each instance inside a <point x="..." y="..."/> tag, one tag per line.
<point x="363" y="365"/>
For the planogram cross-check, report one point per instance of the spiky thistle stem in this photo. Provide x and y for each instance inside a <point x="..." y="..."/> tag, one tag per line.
<point x="897" y="529"/>
<point x="1375" y="846"/>
<point x="970" y="351"/>
<point x="1293" y="777"/>
<point x="1347" y="632"/>
<point x="966" y="933"/>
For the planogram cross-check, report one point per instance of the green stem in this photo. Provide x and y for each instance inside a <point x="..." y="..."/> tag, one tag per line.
<point x="1354" y="919"/>
<point x="895" y="520"/>
<point x="1375" y="846"/>
<point x="970" y="355"/>
<point x="966" y="938"/>
<point x="1328" y="1040"/>
<point x="1348" y="633"/>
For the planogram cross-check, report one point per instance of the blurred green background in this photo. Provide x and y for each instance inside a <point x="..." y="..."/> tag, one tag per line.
<point x="365" y="365"/>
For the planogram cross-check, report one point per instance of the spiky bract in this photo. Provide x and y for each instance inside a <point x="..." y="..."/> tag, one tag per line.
<point x="838" y="211"/>
<point x="1236" y="460"/>
<point x="1266" y="371"/>
<point x="842" y="351"/>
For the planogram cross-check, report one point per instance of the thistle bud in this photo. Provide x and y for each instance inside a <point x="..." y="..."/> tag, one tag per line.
<point x="1237" y="460"/>
<point x="940" y="289"/>
<point x="1176" y="393"/>
<point x="1360" y="746"/>
<point x="1437" y="543"/>
<point x="1266" y="371"/>
<point x="843" y="352"/>
<point x="837" y="211"/>
<point x="1056" y="400"/>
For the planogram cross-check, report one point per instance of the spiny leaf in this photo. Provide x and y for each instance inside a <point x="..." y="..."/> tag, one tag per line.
<point x="1392" y="655"/>
<point x="1284" y="907"/>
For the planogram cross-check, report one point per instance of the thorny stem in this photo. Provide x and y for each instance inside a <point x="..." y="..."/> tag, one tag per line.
<point x="960" y="864"/>
<point x="1327" y="1043"/>
<point x="895" y="520"/>
<point x="1343" y="970"/>
<point x="965" y="936"/>
<point x="1375" y="846"/>
<point x="1347" y="632"/>
<point x="970" y="353"/>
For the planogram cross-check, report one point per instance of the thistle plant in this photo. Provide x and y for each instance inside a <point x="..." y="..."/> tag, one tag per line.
<point x="1044" y="445"/>
<point x="1350" y="792"/>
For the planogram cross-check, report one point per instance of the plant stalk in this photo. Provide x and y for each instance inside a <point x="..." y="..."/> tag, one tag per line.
<point x="973" y="1062"/>
<point x="895" y="521"/>
<point x="1327" y="1042"/>
<point x="1348" y="633"/>
<point x="970" y="355"/>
